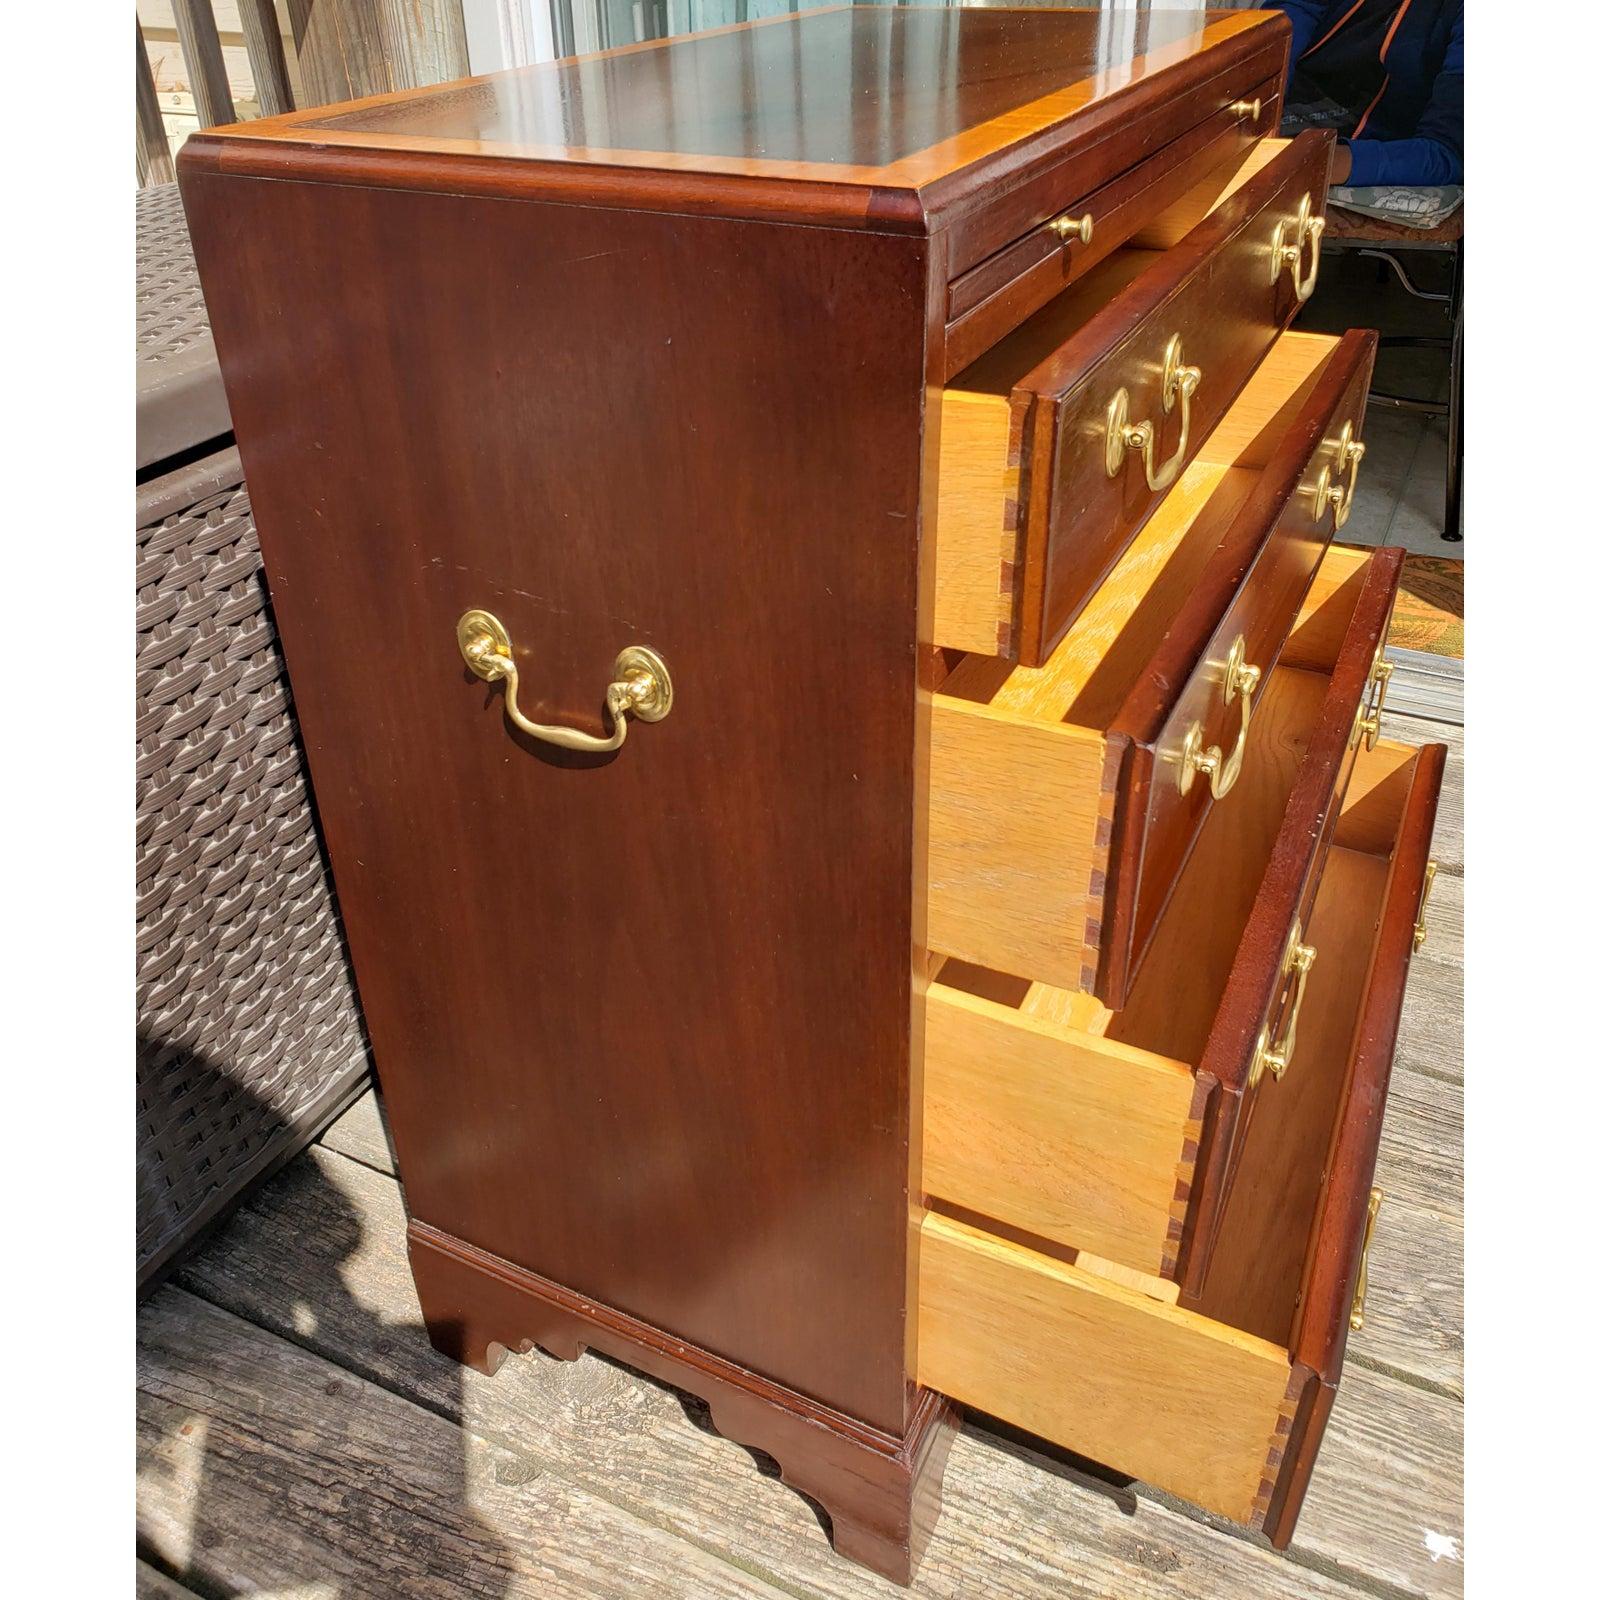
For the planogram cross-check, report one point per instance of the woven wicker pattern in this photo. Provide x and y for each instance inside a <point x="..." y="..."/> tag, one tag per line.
<point x="171" y="314"/>
<point x="248" y="1026"/>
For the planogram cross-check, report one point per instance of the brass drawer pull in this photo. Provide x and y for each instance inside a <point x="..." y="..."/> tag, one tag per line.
<point x="1285" y="254"/>
<point x="1274" y="1057"/>
<point x="1247" y="108"/>
<point x="642" y="686"/>
<point x="1340" y="496"/>
<point x="1370" y="722"/>
<point x="1351" y="452"/>
<point x="1068" y="228"/>
<point x="1358" y="1306"/>
<point x="1242" y="679"/>
<point x="1419" y="935"/>
<point x="1178" y="383"/>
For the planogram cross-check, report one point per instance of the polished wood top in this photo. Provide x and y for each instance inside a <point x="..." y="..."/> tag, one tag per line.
<point x="888" y="97"/>
<point x="861" y="86"/>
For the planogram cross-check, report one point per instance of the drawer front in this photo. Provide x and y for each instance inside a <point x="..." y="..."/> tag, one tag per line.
<point x="1265" y="982"/>
<point x="1302" y="1204"/>
<point x="1222" y="1399"/>
<point x="986" y="302"/>
<point x="1009" y="207"/>
<point x="1179" y="344"/>
<point x="1243" y="609"/>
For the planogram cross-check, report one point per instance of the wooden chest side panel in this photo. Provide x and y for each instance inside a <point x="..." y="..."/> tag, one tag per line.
<point x="642" y="1020"/>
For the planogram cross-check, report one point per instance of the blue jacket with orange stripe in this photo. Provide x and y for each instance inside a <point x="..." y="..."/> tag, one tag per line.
<point x="1397" y="65"/>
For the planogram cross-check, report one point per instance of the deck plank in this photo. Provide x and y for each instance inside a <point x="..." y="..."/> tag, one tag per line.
<point x="1448" y="848"/>
<point x="152" y="1584"/>
<point x="1427" y="685"/>
<point x="1420" y="1158"/>
<point x="1385" y="1501"/>
<point x="1030" y="1524"/>
<point x="261" y="1466"/>
<point x="1414" y="1297"/>
<point x="1430" y="1023"/>
<point x="362" y="1134"/>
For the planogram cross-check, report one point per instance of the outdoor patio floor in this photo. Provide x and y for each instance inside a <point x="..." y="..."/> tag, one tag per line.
<point x="299" y="1437"/>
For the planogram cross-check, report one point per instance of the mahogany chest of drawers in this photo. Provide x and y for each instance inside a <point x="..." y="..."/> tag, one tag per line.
<point x="848" y="746"/>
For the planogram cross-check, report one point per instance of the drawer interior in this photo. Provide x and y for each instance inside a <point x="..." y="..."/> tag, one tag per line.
<point x="1174" y="999"/>
<point x="1268" y="1225"/>
<point x="1196" y="1398"/>
<point x="1004" y="366"/>
<point x="1075" y="1124"/>
<point x="1089" y="674"/>
<point x="984" y="407"/>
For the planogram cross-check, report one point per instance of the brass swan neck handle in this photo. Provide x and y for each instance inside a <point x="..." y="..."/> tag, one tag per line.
<point x="1178" y="384"/>
<point x="641" y="685"/>
<point x="1240" y="680"/>
<point x="1304" y="256"/>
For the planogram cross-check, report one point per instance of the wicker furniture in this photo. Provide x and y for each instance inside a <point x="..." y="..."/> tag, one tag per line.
<point x="249" y="1036"/>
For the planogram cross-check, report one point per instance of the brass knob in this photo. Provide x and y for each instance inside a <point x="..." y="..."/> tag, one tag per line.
<point x="1247" y="108"/>
<point x="1067" y="228"/>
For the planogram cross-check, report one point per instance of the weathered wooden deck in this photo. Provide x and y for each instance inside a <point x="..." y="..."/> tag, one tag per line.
<point x="298" y="1435"/>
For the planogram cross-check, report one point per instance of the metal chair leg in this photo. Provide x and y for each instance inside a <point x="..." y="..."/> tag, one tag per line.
<point x="1453" y="452"/>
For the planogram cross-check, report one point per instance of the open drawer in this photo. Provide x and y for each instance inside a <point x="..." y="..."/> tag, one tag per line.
<point x="1117" y="1133"/>
<point x="1005" y="249"/>
<point x="1155" y="198"/>
<point x="1221" y="1396"/>
<point x="1064" y="799"/>
<point x="1058" y="444"/>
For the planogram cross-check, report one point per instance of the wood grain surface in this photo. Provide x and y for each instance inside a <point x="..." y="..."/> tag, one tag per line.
<point x="1148" y="1388"/>
<point x="231" y="1418"/>
<point x="903" y="117"/>
<point x="1069" y="1137"/>
<point x="687" y="965"/>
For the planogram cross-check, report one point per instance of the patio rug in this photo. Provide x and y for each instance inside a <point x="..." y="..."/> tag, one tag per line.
<point x="1430" y="608"/>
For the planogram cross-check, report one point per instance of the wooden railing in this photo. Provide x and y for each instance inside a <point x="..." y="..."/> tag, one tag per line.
<point x="341" y="50"/>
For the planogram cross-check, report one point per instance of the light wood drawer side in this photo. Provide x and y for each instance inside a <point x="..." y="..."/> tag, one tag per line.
<point x="1014" y="835"/>
<point x="1187" y="1404"/>
<point x="1071" y="1137"/>
<point x="976" y="540"/>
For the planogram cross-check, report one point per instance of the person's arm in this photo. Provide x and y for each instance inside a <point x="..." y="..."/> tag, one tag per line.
<point x="1433" y="154"/>
<point x="1305" y="17"/>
